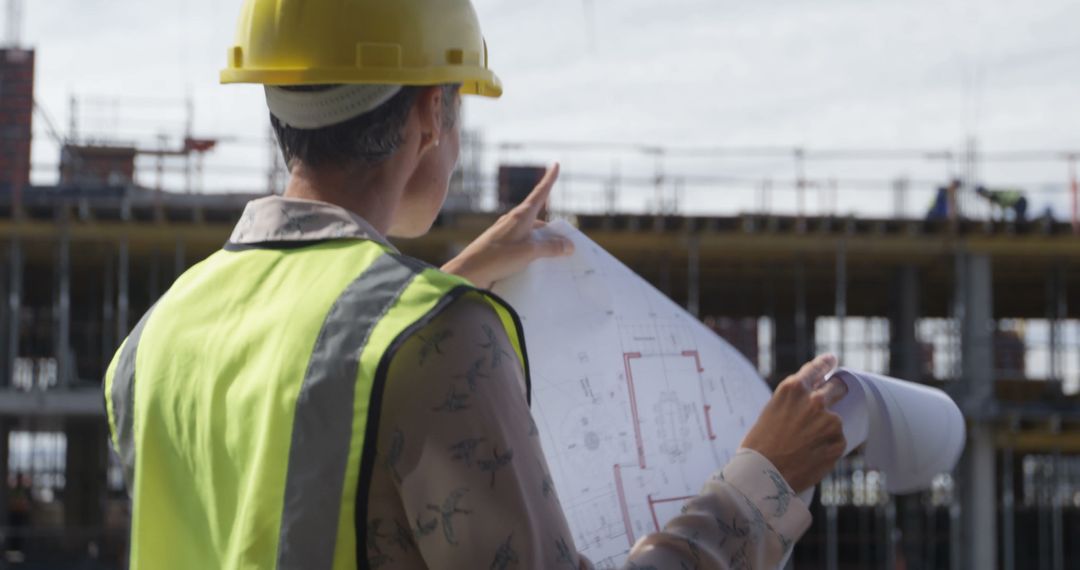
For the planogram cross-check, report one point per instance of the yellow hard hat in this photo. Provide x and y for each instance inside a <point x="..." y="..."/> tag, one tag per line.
<point x="398" y="42"/>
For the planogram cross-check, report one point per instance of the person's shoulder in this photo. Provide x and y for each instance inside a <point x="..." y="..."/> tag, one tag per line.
<point x="466" y="332"/>
<point x="470" y="309"/>
<point x="446" y="330"/>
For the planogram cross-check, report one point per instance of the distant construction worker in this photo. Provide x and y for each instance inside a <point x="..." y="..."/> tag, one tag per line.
<point x="1006" y="200"/>
<point x="944" y="206"/>
<point x="309" y="398"/>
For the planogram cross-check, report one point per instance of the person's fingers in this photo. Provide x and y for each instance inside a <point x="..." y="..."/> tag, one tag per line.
<point x="553" y="246"/>
<point x="539" y="224"/>
<point x="832" y="391"/>
<point x="534" y="202"/>
<point x="836" y="449"/>
<point x="822" y="360"/>
<point x="812" y="374"/>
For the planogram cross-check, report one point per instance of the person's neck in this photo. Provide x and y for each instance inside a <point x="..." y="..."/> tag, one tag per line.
<point x="371" y="193"/>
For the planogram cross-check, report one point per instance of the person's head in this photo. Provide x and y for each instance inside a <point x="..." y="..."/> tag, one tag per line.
<point x="354" y="117"/>
<point x="415" y="134"/>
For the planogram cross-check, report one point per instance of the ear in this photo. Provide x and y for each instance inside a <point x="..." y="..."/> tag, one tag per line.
<point x="429" y="110"/>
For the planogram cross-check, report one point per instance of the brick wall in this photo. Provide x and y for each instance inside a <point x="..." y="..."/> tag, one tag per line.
<point x="16" y="115"/>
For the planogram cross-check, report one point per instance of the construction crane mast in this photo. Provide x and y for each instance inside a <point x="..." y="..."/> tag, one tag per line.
<point x="13" y="25"/>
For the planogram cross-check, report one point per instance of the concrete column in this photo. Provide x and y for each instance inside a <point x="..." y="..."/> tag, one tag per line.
<point x="978" y="470"/>
<point x="957" y="555"/>
<point x="179" y="258"/>
<point x="905" y="358"/>
<point x="693" y="276"/>
<point x="1008" y="503"/>
<point x="792" y="339"/>
<point x="974" y="313"/>
<point x="663" y="280"/>
<point x="5" y="431"/>
<point x="890" y="533"/>
<point x="123" y="287"/>
<point x="802" y="338"/>
<point x="1058" y="498"/>
<point x="832" y="554"/>
<point x="108" y="314"/>
<point x="15" y="288"/>
<point x="5" y="320"/>
<point x="153" y="283"/>
<point x="770" y="314"/>
<point x="85" y="473"/>
<point x="62" y="341"/>
<point x="912" y="524"/>
<point x="841" y="297"/>
<point x="1056" y="311"/>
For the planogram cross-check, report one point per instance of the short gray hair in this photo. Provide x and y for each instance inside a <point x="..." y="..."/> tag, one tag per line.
<point x="367" y="139"/>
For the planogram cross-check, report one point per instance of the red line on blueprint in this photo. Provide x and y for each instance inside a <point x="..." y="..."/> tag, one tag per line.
<point x="633" y="406"/>
<point x="708" y="422"/>
<point x="697" y="358"/>
<point x="652" y="508"/>
<point x="622" y="505"/>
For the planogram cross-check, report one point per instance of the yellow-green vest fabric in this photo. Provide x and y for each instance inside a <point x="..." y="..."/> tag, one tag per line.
<point x="244" y="404"/>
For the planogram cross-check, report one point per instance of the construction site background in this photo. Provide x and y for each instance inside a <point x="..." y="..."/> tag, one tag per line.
<point x="785" y="251"/>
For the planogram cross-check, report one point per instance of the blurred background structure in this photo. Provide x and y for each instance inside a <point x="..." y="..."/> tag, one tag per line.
<point x="943" y="277"/>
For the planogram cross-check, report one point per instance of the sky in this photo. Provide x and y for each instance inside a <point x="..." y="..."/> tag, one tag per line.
<point x="827" y="74"/>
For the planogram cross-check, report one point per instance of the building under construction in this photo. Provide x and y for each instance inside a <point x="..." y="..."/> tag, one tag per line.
<point x="961" y="303"/>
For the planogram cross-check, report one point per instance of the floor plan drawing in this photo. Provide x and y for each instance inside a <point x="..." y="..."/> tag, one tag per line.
<point x="637" y="402"/>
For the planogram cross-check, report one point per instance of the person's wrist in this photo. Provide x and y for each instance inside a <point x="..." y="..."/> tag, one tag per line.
<point x="791" y="473"/>
<point x="460" y="266"/>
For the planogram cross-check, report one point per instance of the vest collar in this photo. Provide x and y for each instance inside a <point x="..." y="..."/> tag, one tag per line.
<point x="277" y="218"/>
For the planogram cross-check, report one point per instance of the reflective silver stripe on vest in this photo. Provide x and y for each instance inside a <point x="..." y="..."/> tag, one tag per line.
<point x="123" y="401"/>
<point x="323" y="422"/>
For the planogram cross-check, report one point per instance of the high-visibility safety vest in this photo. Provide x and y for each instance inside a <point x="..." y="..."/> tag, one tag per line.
<point x="245" y="404"/>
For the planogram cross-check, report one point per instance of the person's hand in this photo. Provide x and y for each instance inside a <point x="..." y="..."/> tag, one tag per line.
<point x="796" y="430"/>
<point x="512" y="242"/>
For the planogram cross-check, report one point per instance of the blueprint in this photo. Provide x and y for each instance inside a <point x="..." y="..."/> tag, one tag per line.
<point x="908" y="431"/>
<point x="637" y="402"/>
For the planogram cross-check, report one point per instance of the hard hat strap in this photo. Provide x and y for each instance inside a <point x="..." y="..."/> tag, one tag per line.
<point x="318" y="109"/>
